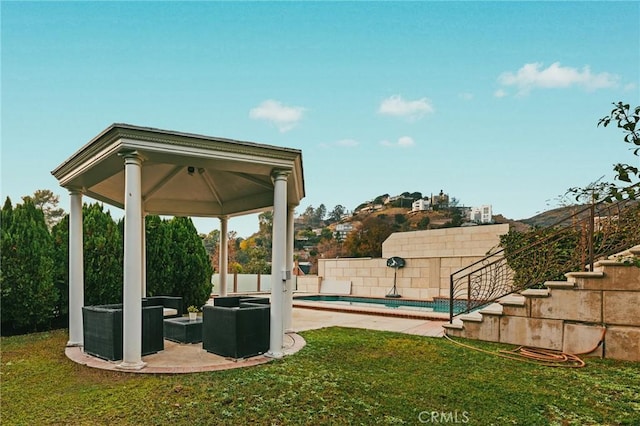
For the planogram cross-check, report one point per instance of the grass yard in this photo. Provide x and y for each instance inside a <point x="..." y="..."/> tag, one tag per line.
<point x="342" y="376"/>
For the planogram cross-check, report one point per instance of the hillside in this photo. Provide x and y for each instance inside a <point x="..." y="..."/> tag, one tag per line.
<point x="430" y="219"/>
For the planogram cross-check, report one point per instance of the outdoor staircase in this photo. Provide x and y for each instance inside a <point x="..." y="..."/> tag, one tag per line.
<point x="572" y="316"/>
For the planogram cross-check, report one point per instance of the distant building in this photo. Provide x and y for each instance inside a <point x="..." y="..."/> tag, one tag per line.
<point x="421" y="205"/>
<point x="482" y="214"/>
<point x="440" y="201"/>
<point x="399" y="201"/>
<point x="371" y="208"/>
<point x="342" y="230"/>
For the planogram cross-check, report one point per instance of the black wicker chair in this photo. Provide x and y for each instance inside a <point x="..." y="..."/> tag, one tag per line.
<point x="168" y="302"/>
<point x="234" y="301"/>
<point x="102" y="330"/>
<point x="236" y="332"/>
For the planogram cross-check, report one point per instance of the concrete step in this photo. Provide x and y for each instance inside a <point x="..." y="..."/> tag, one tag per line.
<point x="572" y="276"/>
<point x="471" y="317"/>
<point x="633" y="251"/>
<point x="559" y="284"/>
<point x="619" y="262"/>
<point x="492" y="309"/>
<point x="457" y="324"/>
<point x="512" y="300"/>
<point x="535" y="292"/>
<point x="515" y="305"/>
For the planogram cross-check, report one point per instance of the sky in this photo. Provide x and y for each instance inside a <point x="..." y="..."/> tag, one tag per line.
<point x="492" y="102"/>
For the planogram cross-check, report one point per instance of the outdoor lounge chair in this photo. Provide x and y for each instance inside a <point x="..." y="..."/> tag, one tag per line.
<point x="234" y="301"/>
<point x="102" y="329"/>
<point x="236" y="332"/>
<point x="172" y="305"/>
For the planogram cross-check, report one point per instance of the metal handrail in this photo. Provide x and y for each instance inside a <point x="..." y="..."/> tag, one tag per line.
<point x="571" y="243"/>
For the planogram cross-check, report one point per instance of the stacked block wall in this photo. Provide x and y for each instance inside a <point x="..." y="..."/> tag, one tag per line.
<point x="573" y="320"/>
<point x="431" y="257"/>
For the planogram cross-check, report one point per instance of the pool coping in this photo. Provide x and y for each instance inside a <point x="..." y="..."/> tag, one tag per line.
<point x="368" y="311"/>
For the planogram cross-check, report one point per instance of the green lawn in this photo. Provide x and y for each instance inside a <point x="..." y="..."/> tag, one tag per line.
<point x="342" y="376"/>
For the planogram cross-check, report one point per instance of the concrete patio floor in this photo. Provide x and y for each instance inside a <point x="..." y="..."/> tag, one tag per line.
<point x="191" y="358"/>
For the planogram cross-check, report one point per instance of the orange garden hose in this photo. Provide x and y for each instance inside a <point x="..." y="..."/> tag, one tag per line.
<point x="538" y="356"/>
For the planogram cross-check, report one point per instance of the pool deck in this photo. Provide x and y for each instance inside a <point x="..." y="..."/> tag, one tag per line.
<point x="191" y="358"/>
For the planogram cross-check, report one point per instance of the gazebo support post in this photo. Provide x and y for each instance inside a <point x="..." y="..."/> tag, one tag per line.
<point x="132" y="303"/>
<point x="288" y="296"/>
<point x="278" y="263"/>
<point x="224" y="255"/>
<point x="76" y="270"/>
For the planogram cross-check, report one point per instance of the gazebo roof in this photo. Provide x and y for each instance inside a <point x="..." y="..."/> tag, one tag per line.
<point x="183" y="174"/>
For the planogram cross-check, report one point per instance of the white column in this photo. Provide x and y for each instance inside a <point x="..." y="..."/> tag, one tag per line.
<point x="132" y="305"/>
<point x="288" y="299"/>
<point x="278" y="263"/>
<point x="76" y="270"/>
<point x="224" y="255"/>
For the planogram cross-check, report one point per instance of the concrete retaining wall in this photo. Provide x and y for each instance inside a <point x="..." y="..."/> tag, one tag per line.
<point x="431" y="257"/>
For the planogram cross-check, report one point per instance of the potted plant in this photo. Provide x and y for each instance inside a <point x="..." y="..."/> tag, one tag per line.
<point x="193" y="312"/>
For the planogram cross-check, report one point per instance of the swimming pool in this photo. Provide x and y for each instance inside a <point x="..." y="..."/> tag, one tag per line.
<point x="401" y="306"/>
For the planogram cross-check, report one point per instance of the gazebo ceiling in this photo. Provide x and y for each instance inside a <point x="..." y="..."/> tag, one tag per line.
<point x="183" y="174"/>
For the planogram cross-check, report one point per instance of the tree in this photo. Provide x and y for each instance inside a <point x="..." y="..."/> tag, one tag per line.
<point x="627" y="175"/>
<point x="28" y="294"/>
<point x="307" y="216"/>
<point x="60" y="237"/>
<point x="319" y="215"/>
<point x="191" y="270"/>
<point x="257" y="257"/>
<point x="265" y="230"/>
<point x="424" y="223"/>
<point x="103" y="256"/>
<point x="456" y="218"/>
<point x="336" y="214"/>
<point x="158" y="256"/>
<point x="47" y="201"/>
<point x="366" y="241"/>
<point x="211" y="242"/>
<point x="627" y="122"/>
<point x="380" y="199"/>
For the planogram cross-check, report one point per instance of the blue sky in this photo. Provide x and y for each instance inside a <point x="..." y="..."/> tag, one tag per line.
<point x="492" y="102"/>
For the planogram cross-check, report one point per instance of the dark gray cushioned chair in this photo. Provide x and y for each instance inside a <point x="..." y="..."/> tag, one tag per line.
<point x="102" y="329"/>
<point x="236" y="332"/>
<point x="234" y="301"/>
<point x="171" y="302"/>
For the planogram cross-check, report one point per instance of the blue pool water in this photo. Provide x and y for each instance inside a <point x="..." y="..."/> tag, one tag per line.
<point x="400" y="304"/>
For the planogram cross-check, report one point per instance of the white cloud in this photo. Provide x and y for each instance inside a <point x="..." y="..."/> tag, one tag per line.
<point x="347" y="142"/>
<point x="406" y="141"/>
<point x="532" y="76"/>
<point x="284" y="117"/>
<point x="499" y="93"/>
<point x="630" y="87"/>
<point x="396" y="106"/>
<point x="466" y="96"/>
<point x="403" y="142"/>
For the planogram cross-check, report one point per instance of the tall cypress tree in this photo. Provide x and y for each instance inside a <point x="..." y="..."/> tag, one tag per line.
<point x="158" y="257"/>
<point x="28" y="294"/>
<point x="60" y="236"/>
<point x="191" y="270"/>
<point x="103" y="253"/>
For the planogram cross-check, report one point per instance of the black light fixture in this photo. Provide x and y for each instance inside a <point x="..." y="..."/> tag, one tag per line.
<point x="190" y="170"/>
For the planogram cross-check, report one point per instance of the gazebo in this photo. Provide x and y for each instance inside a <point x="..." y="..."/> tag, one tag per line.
<point x="151" y="171"/>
